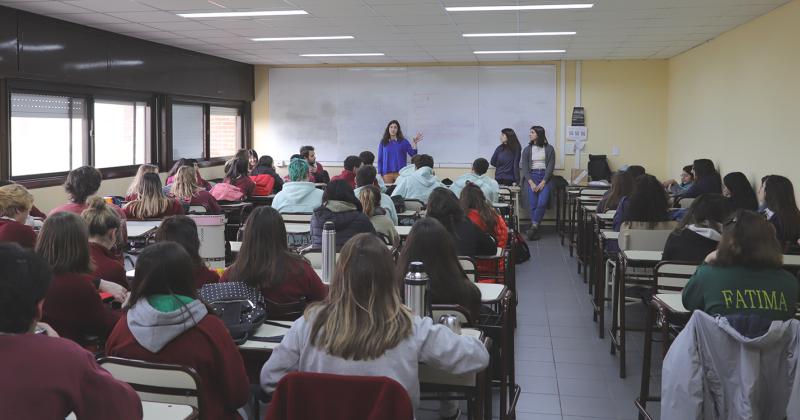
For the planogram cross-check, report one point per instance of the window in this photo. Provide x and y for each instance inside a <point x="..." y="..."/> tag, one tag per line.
<point x="187" y="131"/>
<point x="48" y="133"/>
<point x="121" y="133"/>
<point x="225" y="131"/>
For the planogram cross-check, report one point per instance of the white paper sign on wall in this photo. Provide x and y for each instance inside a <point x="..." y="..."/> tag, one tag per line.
<point x="576" y="133"/>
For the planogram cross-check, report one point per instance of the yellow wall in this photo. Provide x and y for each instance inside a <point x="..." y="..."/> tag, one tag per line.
<point x="625" y="105"/>
<point x="734" y="99"/>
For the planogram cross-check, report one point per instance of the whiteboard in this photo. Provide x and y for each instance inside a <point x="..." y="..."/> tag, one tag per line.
<point x="460" y="110"/>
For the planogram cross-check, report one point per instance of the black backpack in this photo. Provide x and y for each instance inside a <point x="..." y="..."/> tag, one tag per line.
<point x="399" y="204"/>
<point x="521" y="251"/>
<point x="241" y="307"/>
<point x="598" y="168"/>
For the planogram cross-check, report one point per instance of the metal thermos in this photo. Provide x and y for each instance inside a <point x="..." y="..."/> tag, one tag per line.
<point x="328" y="251"/>
<point x="451" y="321"/>
<point x="416" y="290"/>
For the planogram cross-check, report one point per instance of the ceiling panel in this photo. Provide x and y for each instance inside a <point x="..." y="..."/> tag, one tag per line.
<point x="412" y="30"/>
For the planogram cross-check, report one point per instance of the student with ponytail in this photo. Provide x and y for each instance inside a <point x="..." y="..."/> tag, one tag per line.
<point x="15" y="206"/>
<point x="152" y="203"/>
<point x="237" y="176"/>
<point x="103" y="224"/>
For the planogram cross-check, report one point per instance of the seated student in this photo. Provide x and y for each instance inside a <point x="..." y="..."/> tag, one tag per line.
<point x="265" y="262"/>
<point x="699" y="232"/>
<point x="133" y="190"/>
<point x="636" y="171"/>
<point x="298" y="195"/>
<point x="351" y="165"/>
<point x="647" y="203"/>
<point x="469" y="239"/>
<point x="15" y="206"/>
<point x="188" y="193"/>
<point x="780" y="208"/>
<point x="736" y="187"/>
<point x="363" y="179"/>
<point x="103" y="224"/>
<point x="363" y="328"/>
<point x="237" y="176"/>
<point x="167" y="323"/>
<point x="183" y="231"/>
<point x="419" y="184"/>
<point x="745" y="274"/>
<point x="490" y="187"/>
<point x="72" y="305"/>
<point x="368" y="159"/>
<point x="187" y="162"/>
<point x="481" y="213"/>
<point x="370" y="198"/>
<point x="46" y="377"/>
<point x="252" y="160"/>
<point x="266" y="168"/>
<point x="621" y="186"/>
<point x="152" y="203"/>
<point x="677" y="188"/>
<point x="706" y="180"/>
<point x="340" y="206"/>
<point x="35" y="212"/>
<point x="316" y="173"/>
<point x="429" y="243"/>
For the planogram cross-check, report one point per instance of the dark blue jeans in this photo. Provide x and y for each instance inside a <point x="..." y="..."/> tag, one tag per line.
<point x="538" y="200"/>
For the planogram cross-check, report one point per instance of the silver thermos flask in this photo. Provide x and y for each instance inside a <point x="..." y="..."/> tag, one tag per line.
<point x="416" y="290"/>
<point x="328" y="251"/>
<point x="451" y="321"/>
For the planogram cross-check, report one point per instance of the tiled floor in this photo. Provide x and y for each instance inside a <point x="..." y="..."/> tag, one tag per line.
<point x="566" y="371"/>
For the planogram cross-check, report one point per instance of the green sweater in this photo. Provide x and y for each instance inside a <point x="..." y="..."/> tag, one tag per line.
<point x="728" y="290"/>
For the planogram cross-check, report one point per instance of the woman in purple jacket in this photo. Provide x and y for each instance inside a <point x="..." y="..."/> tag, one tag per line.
<point x="393" y="150"/>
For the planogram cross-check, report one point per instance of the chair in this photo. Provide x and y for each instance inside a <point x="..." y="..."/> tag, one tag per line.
<point x="289" y="311"/>
<point x="197" y="210"/>
<point x="306" y="395"/>
<point x="683" y="202"/>
<point x="304" y="218"/>
<point x="413" y="204"/>
<point x="495" y="262"/>
<point x="314" y="256"/>
<point x="468" y="264"/>
<point x="157" y="382"/>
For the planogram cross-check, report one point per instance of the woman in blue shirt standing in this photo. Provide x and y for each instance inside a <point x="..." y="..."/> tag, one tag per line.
<point x="506" y="158"/>
<point x="393" y="150"/>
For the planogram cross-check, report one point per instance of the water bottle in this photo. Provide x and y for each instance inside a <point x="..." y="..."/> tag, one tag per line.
<point x="328" y="251"/>
<point x="416" y="290"/>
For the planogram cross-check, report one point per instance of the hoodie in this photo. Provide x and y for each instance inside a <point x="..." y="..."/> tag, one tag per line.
<point x="297" y="197"/>
<point x="490" y="187"/>
<point x="386" y="203"/>
<point x="712" y="372"/>
<point x="417" y="185"/>
<point x="156" y="321"/>
<point x="347" y="218"/>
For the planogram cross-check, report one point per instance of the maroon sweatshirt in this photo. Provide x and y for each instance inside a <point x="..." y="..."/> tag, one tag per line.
<point x="245" y="184"/>
<point x="48" y="378"/>
<point x="205" y="199"/>
<point x="301" y="281"/>
<point x="174" y="208"/>
<point x="14" y="231"/>
<point x="203" y="275"/>
<point x="79" y="208"/>
<point x="346" y="176"/>
<point x="107" y="265"/>
<point x="207" y="348"/>
<point x="73" y="308"/>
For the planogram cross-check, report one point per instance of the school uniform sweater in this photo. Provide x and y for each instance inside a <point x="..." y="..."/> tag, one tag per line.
<point x="297" y="197"/>
<point x="769" y="292"/>
<point x="506" y="163"/>
<point x="189" y="336"/>
<point x="200" y="181"/>
<point x="393" y="156"/>
<point x="347" y="176"/>
<point x="73" y="308"/>
<point x="49" y="378"/>
<point x="690" y="244"/>
<point x="79" y="208"/>
<point x="417" y="185"/>
<point x="203" y="275"/>
<point x="386" y="204"/>
<point x="14" y="231"/>
<point x="243" y="183"/>
<point x="205" y="199"/>
<point x="489" y="187"/>
<point x="35" y="212"/>
<point x="107" y="265"/>
<point x="301" y="281"/>
<point x="174" y="208"/>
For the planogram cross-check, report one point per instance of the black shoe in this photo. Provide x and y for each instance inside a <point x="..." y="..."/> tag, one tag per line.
<point x="531" y="233"/>
<point x="536" y="236"/>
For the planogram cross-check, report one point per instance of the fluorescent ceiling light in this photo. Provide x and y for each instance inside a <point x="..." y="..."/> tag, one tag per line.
<point x="517" y="8"/>
<point x="244" y="14"/>
<point x="304" y="38"/>
<point x="517" y="34"/>
<point x="343" y="55"/>
<point x="522" y="52"/>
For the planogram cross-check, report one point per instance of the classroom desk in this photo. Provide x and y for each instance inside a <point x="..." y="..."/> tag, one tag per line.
<point x="141" y="228"/>
<point x="236" y="246"/>
<point x="163" y="411"/>
<point x="491" y="292"/>
<point x="403" y="231"/>
<point x="599" y="275"/>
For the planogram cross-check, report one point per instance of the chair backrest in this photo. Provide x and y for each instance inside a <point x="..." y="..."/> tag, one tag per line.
<point x="157" y="382"/>
<point x="672" y="276"/>
<point x="307" y="395"/>
<point x="468" y="264"/>
<point x="413" y="204"/>
<point x="285" y="311"/>
<point x="197" y="210"/>
<point x="595" y="192"/>
<point x="684" y="202"/>
<point x="643" y="237"/>
<point x="296" y="217"/>
<point x="437" y="310"/>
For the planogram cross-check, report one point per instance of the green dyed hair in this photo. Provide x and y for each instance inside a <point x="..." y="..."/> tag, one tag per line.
<point x="298" y="170"/>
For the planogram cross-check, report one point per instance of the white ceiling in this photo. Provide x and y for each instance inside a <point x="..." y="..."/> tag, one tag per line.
<point x="413" y="30"/>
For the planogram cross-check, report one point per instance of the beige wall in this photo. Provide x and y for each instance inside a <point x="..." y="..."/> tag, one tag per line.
<point x="734" y="99"/>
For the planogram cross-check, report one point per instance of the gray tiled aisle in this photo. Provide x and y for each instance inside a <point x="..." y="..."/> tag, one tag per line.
<point x="565" y="371"/>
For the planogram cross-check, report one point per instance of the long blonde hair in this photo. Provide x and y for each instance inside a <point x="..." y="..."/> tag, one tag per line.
<point x="184" y="185"/>
<point x="151" y="202"/>
<point x="13" y="199"/>
<point x="99" y="217"/>
<point x="363" y="315"/>
<point x="136" y="185"/>
<point x="370" y="198"/>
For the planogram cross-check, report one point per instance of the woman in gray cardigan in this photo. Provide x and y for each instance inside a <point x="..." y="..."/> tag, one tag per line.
<point x="536" y="168"/>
